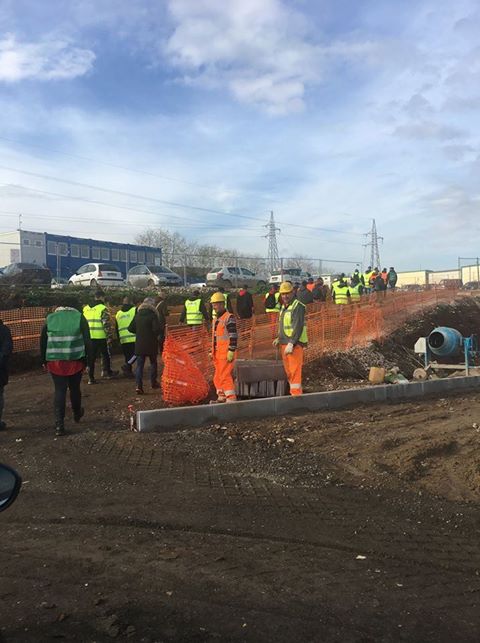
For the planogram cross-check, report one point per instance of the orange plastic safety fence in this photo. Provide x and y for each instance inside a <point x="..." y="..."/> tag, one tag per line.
<point x="183" y="381"/>
<point x="330" y="328"/>
<point x="25" y="325"/>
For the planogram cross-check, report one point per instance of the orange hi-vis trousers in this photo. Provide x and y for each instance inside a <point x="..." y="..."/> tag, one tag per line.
<point x="223" y="378"/>
<point x="293" y="368"/>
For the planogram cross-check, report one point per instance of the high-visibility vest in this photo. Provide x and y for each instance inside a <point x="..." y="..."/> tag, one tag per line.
<point x="340" y="293"/>
<point x="277" y="305"/>
<point x="366" y="278"/>
<point x="355" y="292"/>
<point x="220" y="336"/>
<point x="286" y="321"/>
<point x="94" y="319"/>
<point x="124" y="319"/>
<point x="194" y="316"/>
<point x="64" y="336"/>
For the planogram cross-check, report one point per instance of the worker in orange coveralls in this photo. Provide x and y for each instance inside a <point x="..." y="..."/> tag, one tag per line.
<point x="292" y="336"/>
<point x="224" y="345"/>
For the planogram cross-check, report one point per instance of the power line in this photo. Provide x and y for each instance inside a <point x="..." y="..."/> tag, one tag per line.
<point x="164" y="202"/>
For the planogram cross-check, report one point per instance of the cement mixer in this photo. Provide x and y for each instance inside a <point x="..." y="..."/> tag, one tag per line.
<point x="445" y="342"/>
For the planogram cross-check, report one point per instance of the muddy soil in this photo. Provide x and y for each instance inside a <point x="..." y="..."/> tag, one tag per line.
<point x="358" y="525"/>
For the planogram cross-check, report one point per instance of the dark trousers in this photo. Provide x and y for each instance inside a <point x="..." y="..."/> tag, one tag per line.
<point x="128" y="351"/>
<point x="99" y="347"/>
<point x="62" y="382"/>
<point x="141" y="359"/>
<point x="1" y="401"/>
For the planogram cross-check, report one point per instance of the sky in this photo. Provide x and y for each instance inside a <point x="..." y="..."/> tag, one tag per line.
<point x="202" y="116"/>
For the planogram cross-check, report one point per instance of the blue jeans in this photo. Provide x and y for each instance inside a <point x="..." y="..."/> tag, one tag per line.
<point x="141" y="359"/>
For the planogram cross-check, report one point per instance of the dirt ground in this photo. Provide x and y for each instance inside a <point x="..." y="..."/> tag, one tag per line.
<point x="351" y="526"/>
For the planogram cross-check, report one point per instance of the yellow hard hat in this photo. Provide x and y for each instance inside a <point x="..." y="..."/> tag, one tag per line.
<point x="217" y="297"/>
<point x="286" y="287"/>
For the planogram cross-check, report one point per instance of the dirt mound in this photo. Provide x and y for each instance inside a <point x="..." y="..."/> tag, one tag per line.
<point x="396" y="349"/>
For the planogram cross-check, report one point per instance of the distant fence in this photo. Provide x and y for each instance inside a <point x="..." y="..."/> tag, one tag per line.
<point x="330" y="327"/>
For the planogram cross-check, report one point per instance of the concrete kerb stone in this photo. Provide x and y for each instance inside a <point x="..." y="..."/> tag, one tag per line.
<point x="194" y="416"/>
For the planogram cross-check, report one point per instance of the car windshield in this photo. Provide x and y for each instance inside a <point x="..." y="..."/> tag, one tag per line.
<point x="108" y="267"/>
<point x="157" y="270"/>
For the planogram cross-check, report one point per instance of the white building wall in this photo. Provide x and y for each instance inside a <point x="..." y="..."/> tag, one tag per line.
<point x="33" y="247"/>
<point x="10" y="249"/>
<point x="436" y="276"/>
<point x="470" y="273"/>
<point x="413" y="278"/>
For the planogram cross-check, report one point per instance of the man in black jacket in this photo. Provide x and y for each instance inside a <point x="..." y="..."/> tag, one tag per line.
<point x="146" y="327"/>
<point x="6" y="349"/>
<point x="304" y="295"/>
<point x="244" y="303"/>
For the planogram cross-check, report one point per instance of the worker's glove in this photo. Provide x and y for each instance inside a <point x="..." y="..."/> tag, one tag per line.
<point x="289" y="348"/>
<point x="230" y="356"/>
<point x="275" y="342"/>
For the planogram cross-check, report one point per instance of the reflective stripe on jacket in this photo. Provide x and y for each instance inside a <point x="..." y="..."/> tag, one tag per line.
<point x="64" y="336"/>
<point x="278" y="305"/>
<point x="355" y="292"/>
<point x="340" y="293"/>
<point x="224" y="335"/>
<point x="286" y="322"/>
<point x="124" y="319"/>
<point x="94" y="319"/>
<point x="194" y="316"/>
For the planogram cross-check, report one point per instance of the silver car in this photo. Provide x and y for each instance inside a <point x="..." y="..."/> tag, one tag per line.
<point x="148" y="276"/>
<point x="233" y="276"/>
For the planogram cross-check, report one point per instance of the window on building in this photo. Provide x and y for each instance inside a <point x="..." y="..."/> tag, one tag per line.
<point x="115" y="254"/>
<point x="51" y="248"/>
<point x="38" y="243"/>
<point x="123" y="254"/>
<point x="158" y="260"/>
<point x="133" y="256"/>
<point x="75" y="250"/>
<point x="150" y="257"/>
<point x="106" y="254"/>
<point x="26" y="242"/>
<point x="141" y="256"/>
<point x="63" y="249"/>
<point x="95" y="253"/>
<point x="85" y="252"/>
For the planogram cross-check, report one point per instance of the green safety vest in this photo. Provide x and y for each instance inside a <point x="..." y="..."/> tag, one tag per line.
<point x="354" y="292"/>
<point x="94" y="319"/>
<point x="64" y="336"/>
<point x="277" y="306"/>
<point x="340" y="294"/>
<point x="194" y="315"/>
<point x="286" y="320"/>
<point x="124" y="319"/>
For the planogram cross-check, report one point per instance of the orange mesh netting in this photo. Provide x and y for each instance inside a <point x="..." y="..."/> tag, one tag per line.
<point x="330" y="328"/>
<point x="183" y="382"/>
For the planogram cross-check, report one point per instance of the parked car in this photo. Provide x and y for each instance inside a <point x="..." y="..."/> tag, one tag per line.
<point x="97" y="274"/>
<point x="58" y="283"/>
<point x="471" y="285"/>
<point x="25" y="273"/>
<point x="295" y="275"/>
<point x="454" y="284"/>
<point x="145" y="276"/>
<point x="232" y="276"/>
<point x="10" y="483"/>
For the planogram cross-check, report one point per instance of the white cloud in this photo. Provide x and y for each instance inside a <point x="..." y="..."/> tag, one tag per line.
<point x="43" y="60"/>
<point x="260" y="50"/>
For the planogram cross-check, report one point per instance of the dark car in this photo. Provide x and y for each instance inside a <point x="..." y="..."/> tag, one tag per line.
<point x="471" y="285"/>
<point x="25" y="273"/>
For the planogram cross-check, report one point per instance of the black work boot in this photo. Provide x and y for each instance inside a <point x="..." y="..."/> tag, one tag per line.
<point x="59" y="429"/>
<point x="78" y="415"/>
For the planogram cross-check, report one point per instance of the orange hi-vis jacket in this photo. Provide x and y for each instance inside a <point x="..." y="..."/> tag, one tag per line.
<point x="224" y="335"/>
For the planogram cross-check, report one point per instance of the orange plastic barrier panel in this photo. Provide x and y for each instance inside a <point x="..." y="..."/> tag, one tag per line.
<point x="183" y="382"/>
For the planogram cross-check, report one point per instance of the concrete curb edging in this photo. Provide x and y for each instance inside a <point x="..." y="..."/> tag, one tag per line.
<point x="193" y="416"/>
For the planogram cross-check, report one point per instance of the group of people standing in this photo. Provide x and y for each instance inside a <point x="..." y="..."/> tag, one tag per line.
<point x="71" y="341"/>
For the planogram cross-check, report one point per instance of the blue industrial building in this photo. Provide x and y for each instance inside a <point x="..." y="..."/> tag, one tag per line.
<point x="64" y="254"/>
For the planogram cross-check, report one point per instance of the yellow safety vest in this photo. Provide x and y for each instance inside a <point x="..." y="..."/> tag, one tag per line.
<point x="124" y="319"/>
<point x="340" y="294"/>
<point x="355" y="292"/>
<point x="194" y="316"/>
<point x="286" y="320"/>
<point x="277" y="305"/>
<point x="94" y="319"/>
